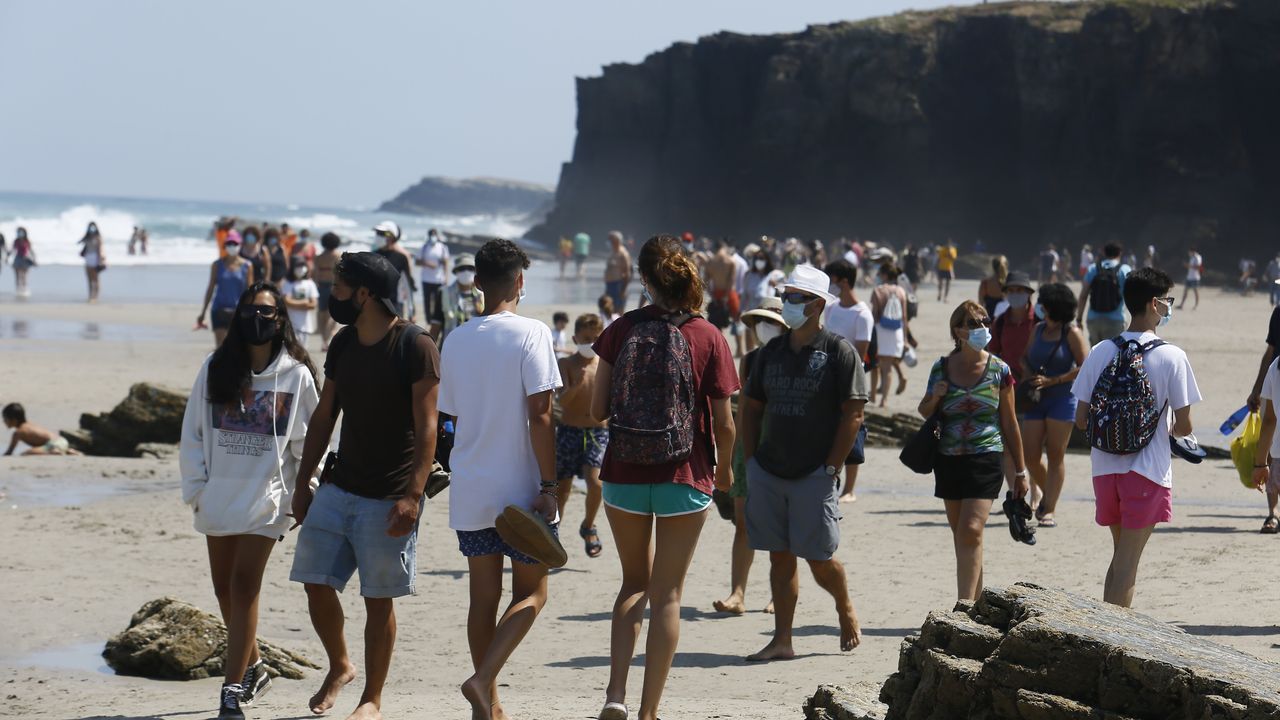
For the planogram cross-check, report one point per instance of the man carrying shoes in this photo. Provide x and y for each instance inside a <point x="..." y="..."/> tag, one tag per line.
<point x="810" y="385"/>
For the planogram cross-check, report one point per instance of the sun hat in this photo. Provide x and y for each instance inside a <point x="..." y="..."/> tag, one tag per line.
<point x="770" y="309"/>
<point x="465" y="260"/>
<point x="809" y="279"/>
<point x="1017" y="278"/>
<point x="388" y="228"/>
<point x="233" y="238"/>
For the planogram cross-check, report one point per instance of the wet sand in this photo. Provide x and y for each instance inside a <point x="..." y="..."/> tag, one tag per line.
<point x="108" y="536"/>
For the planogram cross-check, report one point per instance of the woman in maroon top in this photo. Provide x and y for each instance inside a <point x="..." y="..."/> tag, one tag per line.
<point x="673" y="496"/>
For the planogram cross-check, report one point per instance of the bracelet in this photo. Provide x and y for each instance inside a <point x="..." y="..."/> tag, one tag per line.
<point x="1020" y="474"/>
<point x="550" y="484"/>
<point x="1256" y="467"/>
<point x="548" y="492"/>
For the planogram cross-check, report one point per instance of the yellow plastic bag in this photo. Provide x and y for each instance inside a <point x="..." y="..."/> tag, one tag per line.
<point x="1243" y="447"/>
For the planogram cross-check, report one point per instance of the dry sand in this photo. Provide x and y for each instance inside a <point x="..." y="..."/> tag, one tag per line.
<point x="75" y="571"/>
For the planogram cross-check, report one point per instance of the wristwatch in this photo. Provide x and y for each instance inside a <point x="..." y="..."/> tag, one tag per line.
<point x="832" y="471"/>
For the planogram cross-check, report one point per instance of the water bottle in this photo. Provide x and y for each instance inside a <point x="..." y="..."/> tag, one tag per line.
<point x="1234" y="421"/>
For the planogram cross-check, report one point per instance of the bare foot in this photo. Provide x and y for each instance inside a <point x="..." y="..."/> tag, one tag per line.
<point x="333" y="683"/>
<point x="848" y="498"/>
<point x="768" y="609"/>
<point x="732" y="605"/>
<point x="850" y="633"/>
<point x="478" y="694"/>
<point x="366" y="711"/>
<point x="497" y="713"/>
<point x="773" y="651"/>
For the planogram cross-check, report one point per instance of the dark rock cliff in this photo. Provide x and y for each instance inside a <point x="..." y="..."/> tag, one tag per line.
<point x="472" y="196"/>
<point x="1017" y="123"/>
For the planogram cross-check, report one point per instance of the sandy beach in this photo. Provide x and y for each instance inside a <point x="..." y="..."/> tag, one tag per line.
<point x="85" y="541"/>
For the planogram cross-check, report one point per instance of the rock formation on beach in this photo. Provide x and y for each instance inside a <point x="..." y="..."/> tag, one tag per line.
<point x="168" y="639"/>
<point x="471" y="196"/>
<point x="1029" y="653"/>
<point x="1016" y="123"/>
<point x="149" y="415"/>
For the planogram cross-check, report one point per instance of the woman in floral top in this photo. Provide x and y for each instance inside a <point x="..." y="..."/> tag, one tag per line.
<point x="973" y="391"/>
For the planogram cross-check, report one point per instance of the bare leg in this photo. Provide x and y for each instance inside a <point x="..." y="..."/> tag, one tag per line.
<point x="485" y="577"/>
<point x="850" y="481"/>
<point x="238" y="562"/>
<point x="563" y="492"/>
<point x="830" y="576"/>
<point x="1033" y="432"/>
<point x="740" y="566"/>
<point x="1122" y="575"/>
<point x="677" y="537"/>
<point x="632" y="535"/>
<point x="1058" y="434"/>
<point x="218" y="336"/>
<point x="968" y="518"/>
<point x="595" y="496"/>
<point x="379" y="641"/>
<point x="528" y="597"/>
<point x="327" y="619"/>
<point x="785" y="583"/>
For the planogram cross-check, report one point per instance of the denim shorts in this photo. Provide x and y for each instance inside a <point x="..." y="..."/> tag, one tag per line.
<point x="1062" y="408"/>
<point x="577" y="448"/>
<point x="345" y="532"/>
<point x="478" y="543"/>
<point x="661" y="499"/>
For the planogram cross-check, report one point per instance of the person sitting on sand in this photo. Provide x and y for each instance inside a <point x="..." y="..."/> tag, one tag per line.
<point x="763" y="324"/>
<point x="242" y="435"/>
<point x="381" y="374"/>
<point x="801" y="415"/>
<point x="972" y="390"/>
<point x="498" y="375"/>
<point x="1134" y="491"/>
<point x="665" y="495"/>
<point x="39" y="440"/>
<point x="581" y="440"/>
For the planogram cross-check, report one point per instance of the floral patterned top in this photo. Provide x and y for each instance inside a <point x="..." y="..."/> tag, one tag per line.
<point x="971" y="415"/>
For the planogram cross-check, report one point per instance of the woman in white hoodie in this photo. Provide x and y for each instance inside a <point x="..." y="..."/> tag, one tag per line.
<point x="242" y="438"/>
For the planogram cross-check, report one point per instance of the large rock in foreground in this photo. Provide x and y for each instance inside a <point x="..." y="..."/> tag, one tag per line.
<point x="1028" y="653"/>
<point x="168" y="639"/>
<point x="150" y="414"/>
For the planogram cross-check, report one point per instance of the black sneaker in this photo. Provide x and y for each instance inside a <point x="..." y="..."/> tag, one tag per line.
<point x="229" y="707"/>
<point x="255" y="684"/>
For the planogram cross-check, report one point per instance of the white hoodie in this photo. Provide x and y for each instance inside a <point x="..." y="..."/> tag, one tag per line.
<point x="239" y="461"/>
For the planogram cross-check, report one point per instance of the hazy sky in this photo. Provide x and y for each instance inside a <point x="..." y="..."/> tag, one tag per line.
<point x="324" y="102"/>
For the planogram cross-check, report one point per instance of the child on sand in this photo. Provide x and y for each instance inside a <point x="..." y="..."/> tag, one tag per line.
<point x="40" y="440"/>
<point x="1133" y="491"/>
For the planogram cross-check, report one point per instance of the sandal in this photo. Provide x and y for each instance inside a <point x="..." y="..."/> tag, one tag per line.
<point x="593" y="548"/>
<point x="1271" y="525"/>
<point x="613" y="711"/>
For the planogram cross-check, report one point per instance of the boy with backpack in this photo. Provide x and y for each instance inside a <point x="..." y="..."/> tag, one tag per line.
<point x="1102" y="292"/>
<point x="1133" y="392"/>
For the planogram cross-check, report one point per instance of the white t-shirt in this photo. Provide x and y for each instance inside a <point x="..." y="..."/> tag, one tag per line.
<point x="304" y="321"/>
<point x="1194" y="264"/>
<point x="490" y="367"/>
<point x="740" y="273"/>
<point x="852" y="257"/>
<point x="562" y="340"/>
<point x="433" y="254"/>
<point x="1271" y="391"/>
<point x="1173" y="383"/>
<point x="852" y="323"/>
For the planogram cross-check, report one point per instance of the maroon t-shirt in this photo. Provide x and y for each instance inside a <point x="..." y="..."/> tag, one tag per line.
<point x="714" y="377"/>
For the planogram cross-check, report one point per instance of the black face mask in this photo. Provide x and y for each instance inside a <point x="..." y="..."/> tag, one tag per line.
<point x="258" y="330"/>
<point x="343" y="312"/>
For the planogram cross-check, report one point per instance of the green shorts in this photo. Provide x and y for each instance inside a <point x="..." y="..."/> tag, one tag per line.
<point x="661" y="499"/>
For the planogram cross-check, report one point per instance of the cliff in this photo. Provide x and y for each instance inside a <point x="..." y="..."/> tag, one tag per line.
<point x="1017" y="123"/>
<point x="472" y="196"/>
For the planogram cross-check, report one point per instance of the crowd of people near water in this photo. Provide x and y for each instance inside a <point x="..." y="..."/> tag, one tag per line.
<point x="639" y="403"/>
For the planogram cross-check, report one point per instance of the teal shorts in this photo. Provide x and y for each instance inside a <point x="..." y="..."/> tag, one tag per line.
<point x="661" y="499"/>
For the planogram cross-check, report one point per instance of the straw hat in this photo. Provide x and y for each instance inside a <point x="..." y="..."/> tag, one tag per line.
<point x="770" y="309"/>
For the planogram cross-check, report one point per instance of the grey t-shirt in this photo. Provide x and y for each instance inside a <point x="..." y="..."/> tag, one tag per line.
<point x="802" y="394"/>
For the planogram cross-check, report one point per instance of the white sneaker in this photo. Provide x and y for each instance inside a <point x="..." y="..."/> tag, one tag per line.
<point x="614" y="711"/>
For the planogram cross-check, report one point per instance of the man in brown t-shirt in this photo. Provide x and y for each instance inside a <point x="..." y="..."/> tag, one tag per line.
<point x="580" y="440"/>
<point x="383" y="373"/>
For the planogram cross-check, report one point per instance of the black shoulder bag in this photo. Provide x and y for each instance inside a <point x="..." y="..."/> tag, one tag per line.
<point x="919" y="452"/>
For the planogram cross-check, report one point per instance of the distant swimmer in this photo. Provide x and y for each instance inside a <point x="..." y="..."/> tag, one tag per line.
<point x="23" y="258"/>
<point x="138" y="241"/>
<point x="39" y="440"/>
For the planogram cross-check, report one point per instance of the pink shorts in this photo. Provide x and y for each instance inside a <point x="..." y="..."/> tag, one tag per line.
<point x="1131" y="501"/>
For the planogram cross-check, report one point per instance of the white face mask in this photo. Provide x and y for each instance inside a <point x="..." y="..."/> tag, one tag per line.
<point x="766" y="331"/>
<point x="1017" y="299"/>
<point x="793" y="315"/>
<point x="761" y="265"/>
<point x="465" y="277"/>
<point x="586" y="351"/>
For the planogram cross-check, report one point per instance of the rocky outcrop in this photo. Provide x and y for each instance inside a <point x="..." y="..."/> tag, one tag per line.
<point x="472" y="196"/>
<point x="1015" y="123"/>
<point x="150" y="414"/>
<point x="1030" y="653"/>
<point x="168" y="639"/>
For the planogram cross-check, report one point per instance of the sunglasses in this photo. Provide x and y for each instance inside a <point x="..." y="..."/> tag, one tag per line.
<point x="798" y="298"/>
<point x="975" y="323"/>
<point x="1166" y="300"/>
<point x="263" y="311"/>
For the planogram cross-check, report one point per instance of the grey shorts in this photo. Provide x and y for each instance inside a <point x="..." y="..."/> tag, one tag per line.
<point x="1103" y="329"/>
<point x="800" y="516"/>
<point x="345" y="532"/>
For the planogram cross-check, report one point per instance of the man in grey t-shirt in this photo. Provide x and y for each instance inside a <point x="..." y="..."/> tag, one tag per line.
<point x="806" y="391"/>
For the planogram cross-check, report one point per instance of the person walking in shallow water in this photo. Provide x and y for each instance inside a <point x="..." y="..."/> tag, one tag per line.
<point x="94" y="259"/>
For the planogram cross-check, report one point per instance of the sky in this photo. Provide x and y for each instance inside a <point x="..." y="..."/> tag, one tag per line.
<point x="325" y="102"/>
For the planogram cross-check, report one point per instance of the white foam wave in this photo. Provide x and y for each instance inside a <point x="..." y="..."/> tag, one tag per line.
<point x="55" y="238"/>
<point x="320" y="221"/>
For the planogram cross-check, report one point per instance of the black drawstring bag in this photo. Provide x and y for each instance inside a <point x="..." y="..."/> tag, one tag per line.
<point x="919" y="452"/>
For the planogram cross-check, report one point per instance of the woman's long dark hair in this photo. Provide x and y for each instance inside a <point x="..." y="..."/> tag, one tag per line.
<point x="229" y="367"/>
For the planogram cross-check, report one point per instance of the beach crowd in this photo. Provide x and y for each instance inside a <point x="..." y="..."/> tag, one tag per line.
<point x="661" y="417"/>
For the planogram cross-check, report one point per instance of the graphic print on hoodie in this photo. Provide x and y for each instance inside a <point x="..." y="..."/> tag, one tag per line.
<point x="247" y="428"/>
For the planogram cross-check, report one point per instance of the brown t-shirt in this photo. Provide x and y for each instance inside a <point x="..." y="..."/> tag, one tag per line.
<point x="375" y="450"/>
<point x="575" y="399"/>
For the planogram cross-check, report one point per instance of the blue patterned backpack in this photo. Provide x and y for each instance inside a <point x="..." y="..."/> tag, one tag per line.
<point x="1123" y="416"/>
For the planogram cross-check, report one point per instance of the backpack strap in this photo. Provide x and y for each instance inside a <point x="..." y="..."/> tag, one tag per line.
<point x="404" y="349"/>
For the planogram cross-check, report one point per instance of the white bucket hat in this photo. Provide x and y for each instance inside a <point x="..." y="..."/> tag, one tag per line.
<point x="809" y="279"/>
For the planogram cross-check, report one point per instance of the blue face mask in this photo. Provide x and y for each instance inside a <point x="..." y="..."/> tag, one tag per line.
<point x="793" y="314"/>
<point x="1039" y="311"/>
<point x="979" y="337"/>
<point x="1164" y="319"/>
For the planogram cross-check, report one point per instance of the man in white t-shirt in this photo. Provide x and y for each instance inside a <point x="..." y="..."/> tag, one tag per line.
<point x="498" y="375"/>
<point x="433" y="258"/>
<point x="1194" y="266"/>
<point x="301" y="297"/>
<point x="1134" y="492"/>
<point x="852" y="320"/>
<point x="740" y="268"/>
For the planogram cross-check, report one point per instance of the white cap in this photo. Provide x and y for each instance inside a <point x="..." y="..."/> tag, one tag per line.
<point x="388" y="227"/>
<point x="807" y="278"/>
